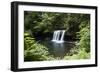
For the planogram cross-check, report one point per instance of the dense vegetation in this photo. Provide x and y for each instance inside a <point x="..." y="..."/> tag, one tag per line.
<point x="39" y="26"/>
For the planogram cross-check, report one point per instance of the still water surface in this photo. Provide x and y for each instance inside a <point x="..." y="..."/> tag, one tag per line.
<point x="59" y="49"/>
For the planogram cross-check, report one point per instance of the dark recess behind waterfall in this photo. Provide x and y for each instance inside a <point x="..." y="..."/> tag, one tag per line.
<point x="48" y="36"/>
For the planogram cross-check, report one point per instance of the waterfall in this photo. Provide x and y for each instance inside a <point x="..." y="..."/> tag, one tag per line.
<point x="58" y="36"/>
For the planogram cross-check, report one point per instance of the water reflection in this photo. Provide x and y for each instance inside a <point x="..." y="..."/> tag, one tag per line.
<point x="58" y="49"/>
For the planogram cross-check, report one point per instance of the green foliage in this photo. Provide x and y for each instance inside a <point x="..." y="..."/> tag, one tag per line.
<point x="84" y="36"/>
<point x="82" y="48"/>
<point x="44" y="22"/>
<point x="85" y="40"/>
<point x="81" y="55"/>
<point x="35" y="51"/>
<point x="28" y="41"/>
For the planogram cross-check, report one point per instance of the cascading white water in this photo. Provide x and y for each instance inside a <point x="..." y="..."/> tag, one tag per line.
<point x="58" y="36"/>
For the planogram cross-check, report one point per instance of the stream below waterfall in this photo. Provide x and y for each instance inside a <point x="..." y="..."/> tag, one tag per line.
<point x="59" y="49"/>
